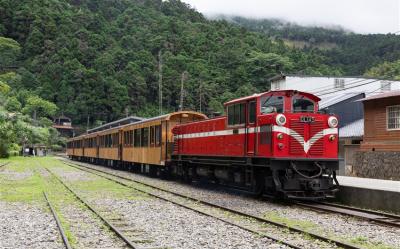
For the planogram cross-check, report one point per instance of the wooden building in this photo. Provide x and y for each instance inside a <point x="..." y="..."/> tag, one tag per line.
<point x="382" y="122"/>
<point x="63" y="125"/>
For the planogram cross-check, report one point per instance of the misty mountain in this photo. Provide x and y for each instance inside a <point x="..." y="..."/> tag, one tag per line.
<point x="353" y="53"/>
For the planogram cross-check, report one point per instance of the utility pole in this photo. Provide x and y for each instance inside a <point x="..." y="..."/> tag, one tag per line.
<point x="87" y="123"/>
<point x="160" y="81"/>
<point x="183" y="78"/>
<point x="201" y="94"/>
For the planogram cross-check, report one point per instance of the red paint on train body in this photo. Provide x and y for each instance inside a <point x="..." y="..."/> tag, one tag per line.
<point x="277" y="125"/>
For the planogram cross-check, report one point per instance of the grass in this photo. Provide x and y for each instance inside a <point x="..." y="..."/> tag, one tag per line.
<point x="29" y="188"/>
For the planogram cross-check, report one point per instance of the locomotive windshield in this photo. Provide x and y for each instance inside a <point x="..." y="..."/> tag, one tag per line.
<point x="302" y="104"/>
<point x="271" y="103"/>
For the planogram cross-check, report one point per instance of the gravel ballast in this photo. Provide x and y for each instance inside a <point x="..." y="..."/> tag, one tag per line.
<point x="325" y="223"/>
<point x="27" y="226"/>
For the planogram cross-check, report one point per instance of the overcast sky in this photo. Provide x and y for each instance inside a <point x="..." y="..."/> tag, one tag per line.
<point x="361" y="16"/>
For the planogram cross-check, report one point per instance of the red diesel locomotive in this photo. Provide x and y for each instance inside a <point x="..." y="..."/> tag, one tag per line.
<point x="275" y="143"/>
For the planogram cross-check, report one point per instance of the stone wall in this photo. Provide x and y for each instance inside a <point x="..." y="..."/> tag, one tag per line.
<point x="376" y="164"/>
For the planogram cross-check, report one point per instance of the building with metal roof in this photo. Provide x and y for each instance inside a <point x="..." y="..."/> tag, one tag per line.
<point x="352" y="130"/>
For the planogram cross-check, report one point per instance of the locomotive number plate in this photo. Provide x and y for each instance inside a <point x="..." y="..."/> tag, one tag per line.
<point x="307" y="119"/>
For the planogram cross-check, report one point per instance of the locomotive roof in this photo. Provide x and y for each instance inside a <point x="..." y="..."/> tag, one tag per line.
<point x="279" y="92"/>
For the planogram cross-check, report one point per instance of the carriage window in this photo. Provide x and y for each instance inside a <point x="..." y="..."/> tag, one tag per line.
<point x="130" y="138"/>
<point x="158" y="135"/>
<point x="252" y="112"/>
<point x="302" y="104"/>
<point x="145" y="137"/>
<point x="137" y="137"/>
<point x="271" y="104"/>
<point x="152" y="136"/>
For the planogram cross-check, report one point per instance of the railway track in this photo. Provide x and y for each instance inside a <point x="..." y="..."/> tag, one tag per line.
<point x="114" y="177"/>
<point x="60" y="229"/>
<point x="4" y="164"/>
<point x="369" y="215"/>
<point x="114" y="225"/>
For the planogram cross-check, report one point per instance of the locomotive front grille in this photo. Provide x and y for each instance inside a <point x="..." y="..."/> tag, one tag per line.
<point x="318" y="145"/>
<point x="301" y="131"/>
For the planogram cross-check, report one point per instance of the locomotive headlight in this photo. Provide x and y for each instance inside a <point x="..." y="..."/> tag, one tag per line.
<point x="279" y="136"/>
<point x="280" y="119"/>
<point x="333" y="122"/>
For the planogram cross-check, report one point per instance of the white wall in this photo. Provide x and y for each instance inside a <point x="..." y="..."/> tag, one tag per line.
<point x="324" y="86"/>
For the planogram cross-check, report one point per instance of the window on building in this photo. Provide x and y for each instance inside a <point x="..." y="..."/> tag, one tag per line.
<point x="339" y="83"/>
<point x="271" y="104"/>
<point x="386" y="85"/>
<point x="393" y="117"/>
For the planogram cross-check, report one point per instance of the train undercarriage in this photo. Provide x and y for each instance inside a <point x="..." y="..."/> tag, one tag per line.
<point x="287" y="179"/>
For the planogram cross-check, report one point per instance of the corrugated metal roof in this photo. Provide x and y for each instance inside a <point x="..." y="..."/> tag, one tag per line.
<point x="334" y="99"/>
<point x="355" y="129"/>
<point x="383" y="95"/>
<point x="127" y="120"/>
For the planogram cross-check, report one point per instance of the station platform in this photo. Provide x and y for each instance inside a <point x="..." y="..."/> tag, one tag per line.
<point x="369" y="193"/>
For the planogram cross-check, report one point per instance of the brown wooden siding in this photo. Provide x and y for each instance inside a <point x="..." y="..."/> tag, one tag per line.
<point x="376" y="135"/>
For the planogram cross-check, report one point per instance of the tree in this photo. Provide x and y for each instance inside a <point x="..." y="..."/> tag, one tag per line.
<point x="38" y="107"/>
<point x="9" y="52"/>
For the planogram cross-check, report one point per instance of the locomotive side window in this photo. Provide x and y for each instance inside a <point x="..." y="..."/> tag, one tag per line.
<point x="252" y="112"/>
<point x="237" y="114"/>
<point x="302" y="104"/>
<point x="231" y="113"/>
<point x="271" y="104"/>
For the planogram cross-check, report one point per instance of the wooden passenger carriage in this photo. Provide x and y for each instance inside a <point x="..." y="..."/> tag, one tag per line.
<point x="145" y="142"/>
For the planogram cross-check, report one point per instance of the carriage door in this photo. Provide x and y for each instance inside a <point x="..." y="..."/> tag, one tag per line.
<point x="251" y="128"/>
<point x="97" y="146"/>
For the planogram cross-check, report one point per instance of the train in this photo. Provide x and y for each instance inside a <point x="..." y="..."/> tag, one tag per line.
<point x="276" y="143"/>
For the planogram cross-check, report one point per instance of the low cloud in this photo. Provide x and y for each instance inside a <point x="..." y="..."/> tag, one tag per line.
<point x="361" y="16"/>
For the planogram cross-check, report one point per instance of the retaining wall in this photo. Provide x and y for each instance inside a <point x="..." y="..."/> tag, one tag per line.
<point x="377" y="164"/>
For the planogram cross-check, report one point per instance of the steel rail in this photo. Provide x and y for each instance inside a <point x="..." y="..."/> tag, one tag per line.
<point x="369" y="215"/>
<point x="60" y="228"/>
<point x="258" y="218"/>
<point x="4" y="164"/>
<point x="112" y="227"/>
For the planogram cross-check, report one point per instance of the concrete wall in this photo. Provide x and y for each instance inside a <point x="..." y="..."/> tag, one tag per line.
<point x="369" y="198"/>
<point x="377" y="164"/>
